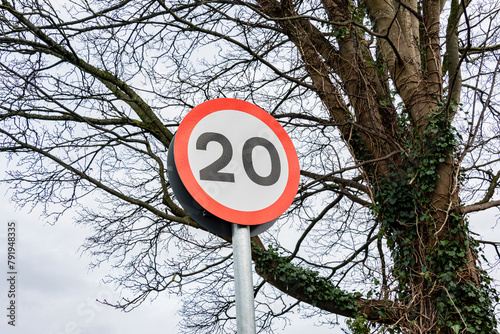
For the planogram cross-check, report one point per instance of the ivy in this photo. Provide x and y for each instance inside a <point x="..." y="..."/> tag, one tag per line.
<point x="358" y="325"/>
<point x="305" y="282"/>
<point x="407" y="220"/>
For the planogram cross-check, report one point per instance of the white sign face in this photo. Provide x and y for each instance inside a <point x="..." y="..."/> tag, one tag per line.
<point x="237" y="161"/>
<point x="217" y="147"/>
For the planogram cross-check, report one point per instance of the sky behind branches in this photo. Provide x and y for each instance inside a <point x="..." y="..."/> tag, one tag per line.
<point x="56" y="293"/>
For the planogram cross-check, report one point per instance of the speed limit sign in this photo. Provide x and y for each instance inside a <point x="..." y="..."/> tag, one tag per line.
<point x="236" y="161"/>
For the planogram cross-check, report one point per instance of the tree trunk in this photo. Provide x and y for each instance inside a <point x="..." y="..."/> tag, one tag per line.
<point x="416" y="192"/>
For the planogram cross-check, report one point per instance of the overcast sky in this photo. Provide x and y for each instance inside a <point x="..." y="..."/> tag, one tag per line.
<point x="56" y="293"/>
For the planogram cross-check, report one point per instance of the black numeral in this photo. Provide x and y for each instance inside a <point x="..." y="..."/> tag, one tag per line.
<point x="212" y="172"/>
<point x="274" y="175"/>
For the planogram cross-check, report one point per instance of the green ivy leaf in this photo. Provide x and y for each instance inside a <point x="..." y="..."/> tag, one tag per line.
<point x="455" y="328"/>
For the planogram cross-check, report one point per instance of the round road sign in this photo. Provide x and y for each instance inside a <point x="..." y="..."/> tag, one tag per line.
<point x="237" y="161"/>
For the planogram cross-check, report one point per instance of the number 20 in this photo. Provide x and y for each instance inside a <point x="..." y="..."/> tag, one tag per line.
<point x="212" y="172"/>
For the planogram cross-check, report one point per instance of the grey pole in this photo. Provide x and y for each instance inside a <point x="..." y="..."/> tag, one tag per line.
<point x="242" y="255"/>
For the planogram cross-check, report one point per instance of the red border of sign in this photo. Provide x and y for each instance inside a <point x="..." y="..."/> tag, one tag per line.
<point x="258" y="217"/>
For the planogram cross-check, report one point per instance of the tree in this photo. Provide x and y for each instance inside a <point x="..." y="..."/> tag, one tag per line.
<point x="392" y="108"/>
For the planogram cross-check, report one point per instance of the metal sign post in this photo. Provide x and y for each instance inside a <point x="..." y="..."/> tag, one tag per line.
<point x="242" y="256"/>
